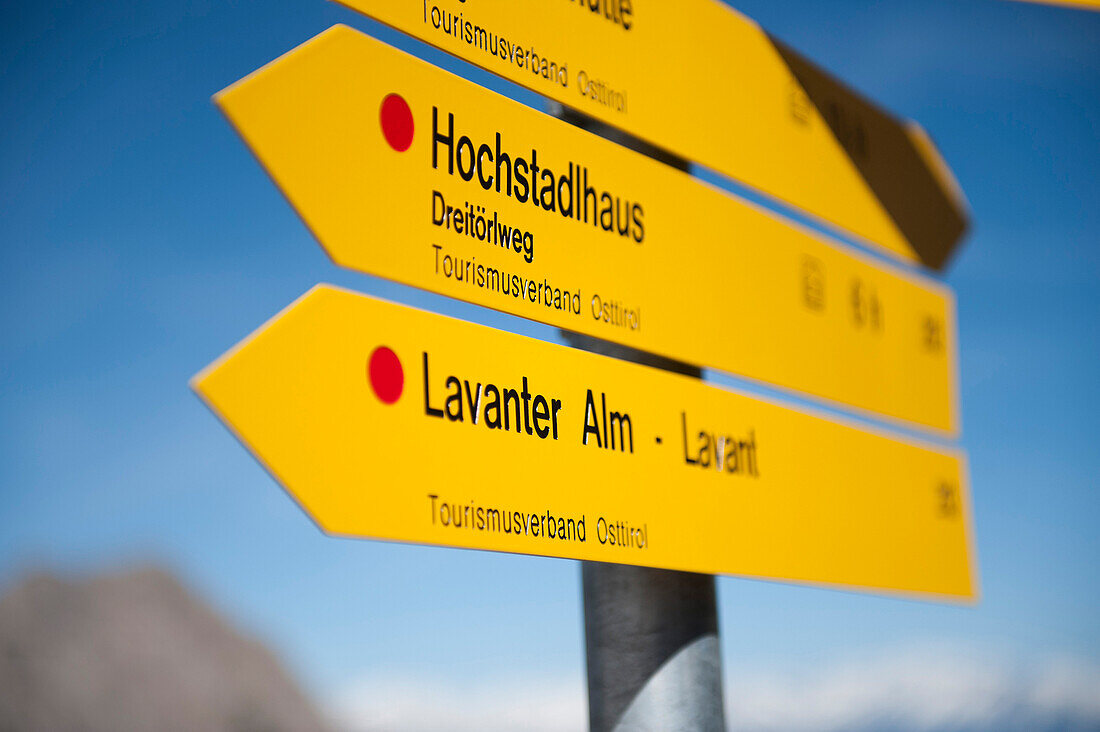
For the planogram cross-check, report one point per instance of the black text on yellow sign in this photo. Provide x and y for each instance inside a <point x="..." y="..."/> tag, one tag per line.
<point x="391" y="423"/>
<point x="407" y="172"/>
<point x="699" y="79"/>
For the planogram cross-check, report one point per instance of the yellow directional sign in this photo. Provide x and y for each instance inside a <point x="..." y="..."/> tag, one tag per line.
<point x="699" y="79"/>
<point x="391" y="423"/>
<point x="407" y="172"/>
<point x="1086" y="4"/>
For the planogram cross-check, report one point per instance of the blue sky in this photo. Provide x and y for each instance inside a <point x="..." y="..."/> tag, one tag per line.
<point x="140" y="240"/>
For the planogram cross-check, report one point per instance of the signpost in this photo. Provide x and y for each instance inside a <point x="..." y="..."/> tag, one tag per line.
<point x="705" y="82"/>
<point x="407" y="172"/>
<point x="391" y="423"/>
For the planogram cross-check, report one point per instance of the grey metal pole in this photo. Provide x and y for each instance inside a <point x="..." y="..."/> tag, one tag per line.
<point x="651" y="638"/>
<point x="651" y="635"/>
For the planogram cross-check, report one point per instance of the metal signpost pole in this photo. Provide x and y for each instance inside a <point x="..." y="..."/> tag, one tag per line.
<point x="651" y="635"/>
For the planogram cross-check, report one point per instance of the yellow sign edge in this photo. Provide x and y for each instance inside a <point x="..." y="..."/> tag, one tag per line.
<point x="1078" y="4"/>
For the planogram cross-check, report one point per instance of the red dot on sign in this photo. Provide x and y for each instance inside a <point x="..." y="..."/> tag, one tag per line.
<point x="397" y="122"/>
<point x="386" y="376"/>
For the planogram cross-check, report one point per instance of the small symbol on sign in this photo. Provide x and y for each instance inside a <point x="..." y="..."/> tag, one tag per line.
<point x="933" y="334"/>
<point x="813" y="283"/>
<point x="801" y="106"/>
<point x="949" y="500"/>
<point x="387" y="378"/>
<point x="866" y="306"/>
<point x="397" y="122"/>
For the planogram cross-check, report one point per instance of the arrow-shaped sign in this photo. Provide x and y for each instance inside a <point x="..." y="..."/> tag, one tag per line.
<point x="392" y="423"/>
<point x="407" y="172"/>
<point x="699" y="79"/>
